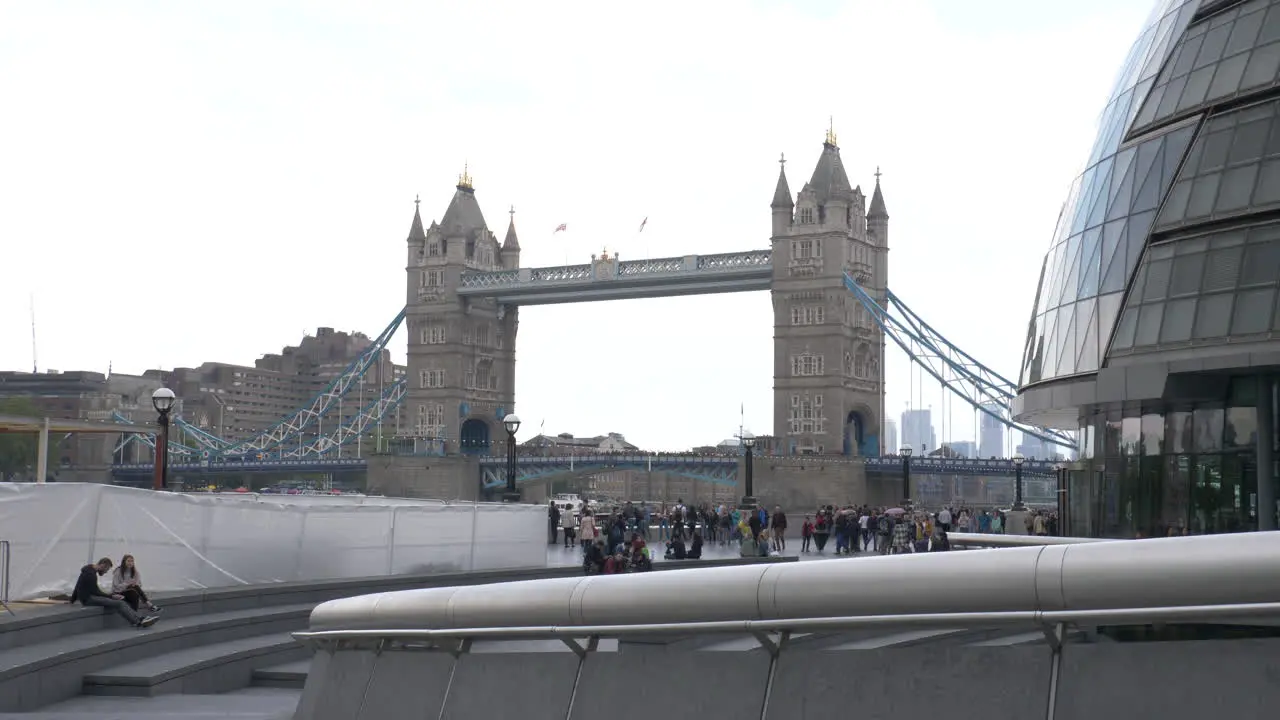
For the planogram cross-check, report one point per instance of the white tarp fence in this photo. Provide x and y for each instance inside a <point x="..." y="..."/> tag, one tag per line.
<point x="185" y="542"/>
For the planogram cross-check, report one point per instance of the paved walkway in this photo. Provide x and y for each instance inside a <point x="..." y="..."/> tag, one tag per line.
<point x="247" y="704"/>
<point x="558" y="555"/>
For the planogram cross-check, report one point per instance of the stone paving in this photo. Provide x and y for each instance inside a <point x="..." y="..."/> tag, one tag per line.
<point x="247" y="704"/>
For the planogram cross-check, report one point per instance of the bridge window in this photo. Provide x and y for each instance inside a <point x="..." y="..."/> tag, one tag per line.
<point x="432" y="278"/>
<point x="860" y="362"/>
<point x="431" y="378"/>
<point x="807" y="364"/>
<point x="806" y="216"/>
<point x="806" y="414"/>
<point x="430" y="422"/>
<point x="808" y="315"/>
<point x="433" y="248"/>
<point x="433" y="334"/>
<point x="805" y="249"/>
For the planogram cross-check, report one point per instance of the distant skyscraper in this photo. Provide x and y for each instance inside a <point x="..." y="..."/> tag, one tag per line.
<point x="890" y="437"/>
<point x="917" y="431"/>
<point x="963" y="448"/>
<point x="991" y="437"/>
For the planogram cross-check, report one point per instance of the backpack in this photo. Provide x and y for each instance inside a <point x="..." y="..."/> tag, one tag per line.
<point x="884" y="525"/>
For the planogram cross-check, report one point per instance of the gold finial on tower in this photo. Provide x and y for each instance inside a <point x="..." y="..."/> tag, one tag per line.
<point x="831" y="131"/>
<point x="464" y="180"/>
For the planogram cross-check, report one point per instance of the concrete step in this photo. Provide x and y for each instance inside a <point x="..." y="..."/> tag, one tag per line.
<point x="34" y="676"/>
<point x="203" y="669"/>
<point x="290" y="675"/>
<point x="247" y="704"/>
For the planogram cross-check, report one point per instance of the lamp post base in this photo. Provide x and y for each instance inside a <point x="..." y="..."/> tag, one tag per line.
<point x="748" y="503"/>
<point x="511" y="497"/>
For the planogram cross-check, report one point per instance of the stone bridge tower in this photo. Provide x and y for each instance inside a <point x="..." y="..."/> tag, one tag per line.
<point x="461" y="369"/>
<point x="828" y="387"/>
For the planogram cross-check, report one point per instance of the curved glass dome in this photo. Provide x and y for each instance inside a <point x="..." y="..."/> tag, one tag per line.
<point x="1107" y="215"/>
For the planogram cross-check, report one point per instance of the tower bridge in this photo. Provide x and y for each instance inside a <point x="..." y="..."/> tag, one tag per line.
<point x="826" y="268"/>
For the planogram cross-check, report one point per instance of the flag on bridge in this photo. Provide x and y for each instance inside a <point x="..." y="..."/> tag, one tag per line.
<point x="562" y="227"/>
<point x="643" y="223"/>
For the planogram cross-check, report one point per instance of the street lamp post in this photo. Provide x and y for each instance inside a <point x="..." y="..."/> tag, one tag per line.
<point x="1018" y="459"/>
<point x="162" y="400"/>
<point x="512" y="424"/>
<point x="749" y="498"/>
<point x="905" y="451"/>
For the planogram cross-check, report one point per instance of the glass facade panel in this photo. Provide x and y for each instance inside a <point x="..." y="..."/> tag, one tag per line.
<point x="1184" y="471"/>
<point x="1221" y="58"/>
<point x="1099" y="259"/>
<point x="1119" y="187"/>
<point x="1230" y="171"/>
<point x="1203" y="288"/>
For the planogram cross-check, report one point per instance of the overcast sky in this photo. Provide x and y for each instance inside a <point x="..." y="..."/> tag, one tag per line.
<point x="190" y="182"/>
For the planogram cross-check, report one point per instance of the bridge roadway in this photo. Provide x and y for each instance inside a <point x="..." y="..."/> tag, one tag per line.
<point x="608" y="278"/>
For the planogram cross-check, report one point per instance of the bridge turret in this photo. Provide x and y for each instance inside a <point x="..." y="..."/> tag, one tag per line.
<point x="878" y="216"/>
<point x="511" y="244"/>
<point x="783" y="206"/>
<point x="461" y="350"/>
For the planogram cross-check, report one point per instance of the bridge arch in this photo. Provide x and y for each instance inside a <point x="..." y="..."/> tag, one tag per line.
<point x="860" y="435"/>
<point x="474" y="437"/>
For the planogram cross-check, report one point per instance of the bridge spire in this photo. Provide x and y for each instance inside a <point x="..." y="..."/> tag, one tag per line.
<point x="877" y="209"/>
<point x="782" y="193"/>
<point x="416" y="233"/>
<point x="511" y="242"/>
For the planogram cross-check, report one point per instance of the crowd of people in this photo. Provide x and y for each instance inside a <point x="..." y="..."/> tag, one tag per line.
<point x="616" y="533"/>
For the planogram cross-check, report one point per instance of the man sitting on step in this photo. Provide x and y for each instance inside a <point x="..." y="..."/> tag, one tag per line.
<point x="89" y="593"/>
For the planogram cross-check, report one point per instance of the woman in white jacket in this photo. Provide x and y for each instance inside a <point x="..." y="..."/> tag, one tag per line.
<point x="127" y="582"/>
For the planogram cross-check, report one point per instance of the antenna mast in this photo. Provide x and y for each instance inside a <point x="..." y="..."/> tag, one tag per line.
<point x="34" y="365"/>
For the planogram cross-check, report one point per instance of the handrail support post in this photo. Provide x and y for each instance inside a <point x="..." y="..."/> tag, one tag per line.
<point x="772" y="645"/>
<point x="1054" y="635"/>
<point x="578" y="648"/>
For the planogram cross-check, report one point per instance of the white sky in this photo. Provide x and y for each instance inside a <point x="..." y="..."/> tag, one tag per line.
<point x="189" y="182"/>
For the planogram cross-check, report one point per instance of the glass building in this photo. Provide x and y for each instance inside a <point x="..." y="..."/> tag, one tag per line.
<point x="1155" y="331"/>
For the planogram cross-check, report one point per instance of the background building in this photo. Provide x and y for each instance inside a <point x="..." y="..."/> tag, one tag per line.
<point x="890" y="438"/>
<point x="917" y="431"/>
<point x="991" y="433"/>
<point x="1154" y="330"/>
<point x="235" y="402"/>
<point x="962" y="448"/>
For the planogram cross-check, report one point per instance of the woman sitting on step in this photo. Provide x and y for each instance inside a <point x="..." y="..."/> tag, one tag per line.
<point x="127" y="581"/>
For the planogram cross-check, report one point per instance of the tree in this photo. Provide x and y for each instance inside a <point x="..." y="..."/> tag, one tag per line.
<point x="18" y="449"/>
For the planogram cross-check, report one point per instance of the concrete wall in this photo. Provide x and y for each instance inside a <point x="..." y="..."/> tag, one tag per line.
<point x="440" y="478"/>
<point x="1169" y="680"/>
<point x="800" y="484"/>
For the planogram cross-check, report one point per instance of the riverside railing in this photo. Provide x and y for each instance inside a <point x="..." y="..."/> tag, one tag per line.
<point x="1169" y="579"/>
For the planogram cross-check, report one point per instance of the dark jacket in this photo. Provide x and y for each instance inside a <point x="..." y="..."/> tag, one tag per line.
<point x="87" y="585"/>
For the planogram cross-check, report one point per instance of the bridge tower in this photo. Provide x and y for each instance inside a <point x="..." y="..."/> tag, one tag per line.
<point x="828" y="352"/>
<point x="461" y="350"/>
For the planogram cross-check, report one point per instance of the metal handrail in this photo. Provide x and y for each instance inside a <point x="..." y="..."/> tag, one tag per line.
<point x="4" y="575"/>
<point x="990" y="540"/>
<point x="1114" y="616"/>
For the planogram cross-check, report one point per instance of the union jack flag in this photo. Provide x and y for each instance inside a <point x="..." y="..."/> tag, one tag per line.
<point x="561" y="228"/>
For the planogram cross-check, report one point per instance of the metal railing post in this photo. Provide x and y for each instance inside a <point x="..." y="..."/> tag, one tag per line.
<point x="4" y="575"/>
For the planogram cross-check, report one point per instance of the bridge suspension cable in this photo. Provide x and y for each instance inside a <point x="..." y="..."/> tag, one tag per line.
<point x="986" y="390"/>
<point x="292" y="427"/>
